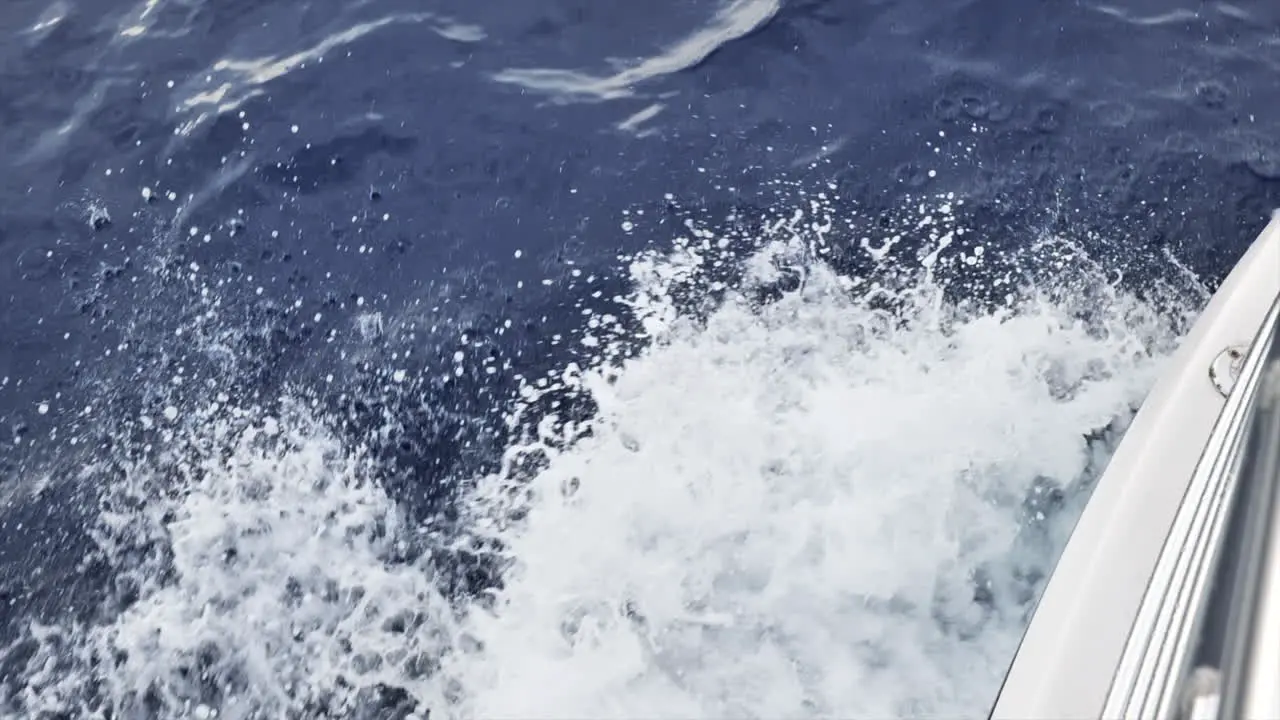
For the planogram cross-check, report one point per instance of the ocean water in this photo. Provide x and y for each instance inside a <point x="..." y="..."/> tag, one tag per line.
<point x="679" y="359"/>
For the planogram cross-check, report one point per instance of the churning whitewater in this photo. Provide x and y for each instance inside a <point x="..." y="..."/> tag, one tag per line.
<point x="812" y="481"/>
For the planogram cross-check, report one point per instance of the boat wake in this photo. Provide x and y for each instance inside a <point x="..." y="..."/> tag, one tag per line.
<point x="795" y="469"/>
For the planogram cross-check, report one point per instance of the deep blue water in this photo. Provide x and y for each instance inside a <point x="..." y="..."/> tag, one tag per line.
<point x="394" y="156"/>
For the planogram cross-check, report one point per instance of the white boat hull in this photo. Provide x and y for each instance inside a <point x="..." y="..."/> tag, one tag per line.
<point x="1079" y="644"/>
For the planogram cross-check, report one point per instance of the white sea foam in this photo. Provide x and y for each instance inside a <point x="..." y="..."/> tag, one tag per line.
<point x="788" y="509"/>
<point x="784" y="506"/>
<point x="268" y="569"/>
